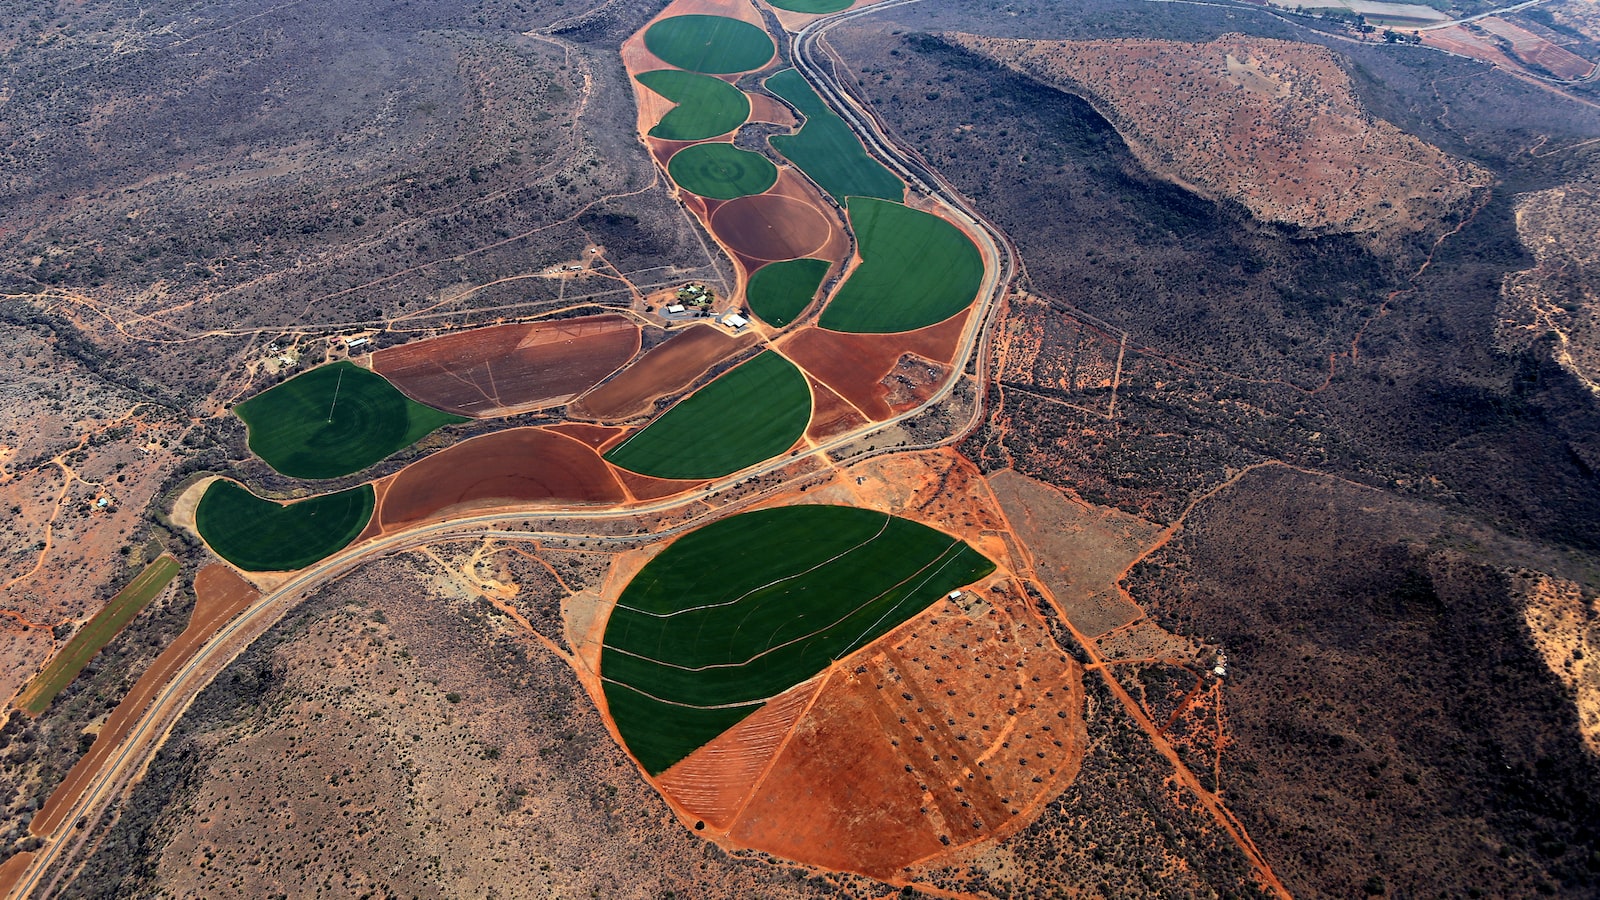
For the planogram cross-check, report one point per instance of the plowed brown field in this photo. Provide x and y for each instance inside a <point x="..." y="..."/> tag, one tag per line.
<point x="665" y="369"/>
<point x="505" y="369"/>
<point x="830" y="414"/>
<point x="521" y="466"/>
<point x="220" y="594"/>
<point x="771" y="227"/>
<point x="855" y="365"/>
<point x="596" y="436"/>
<point x="643" y="487"/>
<point x="954" y="728"/>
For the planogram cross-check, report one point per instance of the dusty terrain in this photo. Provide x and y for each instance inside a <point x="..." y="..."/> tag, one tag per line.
<point x="1271" y="124"/>
<point x="857" y="367"/>
<point x="1559" y="298"/>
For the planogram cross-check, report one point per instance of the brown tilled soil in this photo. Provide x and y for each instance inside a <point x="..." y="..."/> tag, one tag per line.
<point x="645" y="487"/>
<point x="1272" y="124"/>
<point x="771" y="227"/>
<point x="830" y="414"/>
<point x="220" y="594"/>
<point x="666" y="369"/>
<point x="505" y="369"/>
<point x="522" y="466"/>
<point x="855" y="365"/>
<point x="1537" y="50"/>
<point x="596" y="436"/>
<point x="953" y="729"/>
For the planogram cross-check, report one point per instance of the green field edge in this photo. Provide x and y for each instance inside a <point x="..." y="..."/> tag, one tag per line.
<point x="93" y="637"/>
<point x="256" y="534"/>
<point x="826" y="149"/>
<point x="706" y="106"/>
<point x="916" y="270"/>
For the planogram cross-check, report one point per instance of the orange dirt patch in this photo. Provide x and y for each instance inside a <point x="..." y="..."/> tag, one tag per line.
<point x="855" y="365"/>
<point x="521" y="466"/>
<point x="771" y="227"/>
<point x="220" y="595"/>
<point x="12" y="870"/>
<point x="666" y="369"/>
<point x="636" y="58"/>
<point x="912" y="381"/>
<point x="952" y="729"/>
<point x="596" y="436"/>
<point x="831" y="414"/>
<point x="506" y="369"/>
<point x="767" y="109"/>
<point x="1538" y="51"/>
<point x="712" y="784"/>
<point x="644" y="487"/>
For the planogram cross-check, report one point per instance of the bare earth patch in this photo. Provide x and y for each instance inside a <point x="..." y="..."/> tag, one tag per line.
<point x="1274" y="125"/>
<point x="1565" y="627"/>
<point x="1559" y="295"/>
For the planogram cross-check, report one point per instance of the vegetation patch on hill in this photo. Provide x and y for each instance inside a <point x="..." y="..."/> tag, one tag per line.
<point x="916" y="269"/>
<point x="706" y="107"/>
<point x="715" y="45"/>
<point x="748" y="607"/>
<point x="826" y="149"/>
<point x="334" y="420"/>
<point x="264" y="536"/>
<point x="721" y="171"/>
<point x="782" y="290"/>
<point x="754" y="412"/>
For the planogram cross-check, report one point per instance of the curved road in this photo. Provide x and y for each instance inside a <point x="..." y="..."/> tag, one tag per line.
<point x="169" y="705"/>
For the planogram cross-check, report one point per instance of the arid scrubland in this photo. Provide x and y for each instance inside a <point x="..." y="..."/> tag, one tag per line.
<point x="1559" y="298"/>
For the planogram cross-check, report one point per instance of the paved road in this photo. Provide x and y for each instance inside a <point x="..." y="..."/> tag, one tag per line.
<point x="810" y="58"/>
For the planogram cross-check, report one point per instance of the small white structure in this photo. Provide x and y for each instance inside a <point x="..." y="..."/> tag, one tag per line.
<point x="735" y="321"/>
<point x="675" y="309"/>
<point x="955" y="595"/>
<point x="356" y="342"/>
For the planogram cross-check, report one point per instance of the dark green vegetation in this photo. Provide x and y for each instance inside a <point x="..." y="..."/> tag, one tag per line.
<point x="812" y="6"/>
<point x="715" y="45"/>
<point x="780" y="291"/>
<point x="754" y="604"/>
<point x="916" y="269"/>
<point x="826" y="149"/>
<point x="752" y="413"/>
<point x="105" y="625"/>
<point x="334" y="420"/>
<point x="721" y="171"/>
<point x="263" y="536"/>
<point x="706" y="107"/>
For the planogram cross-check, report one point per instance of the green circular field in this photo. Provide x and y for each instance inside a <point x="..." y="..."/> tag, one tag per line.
<point x="812" y="6"/>
<point x="334" y="420"/>
<point x="714" y="45"/>
<point x="782" y="290"/>
<point x="706" y="107"/>
<point x="263" y="536"/>
<point x="753" y="412"/>
<point x="749" y="606"/>
<point x="721" y="171"/>
<point x="916" y="269"/>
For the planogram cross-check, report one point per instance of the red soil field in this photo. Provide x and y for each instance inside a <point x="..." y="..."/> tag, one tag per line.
<point x="767" y="109"/>
<point x="220" y="594"/>
<point x="831" y="415"/>
<point x="666" y="369"/>
<point x="771" y="227"/>
<point x="520" y="466"/>
<point x="505" y="369"/>
<point x="596" y="436"/>
<point x="1536" y="50"/>
<point x="855" y="365"/>
<point x="11" y="871"/>
<point x="644" y="487"/>
<point x="954" y="728"/>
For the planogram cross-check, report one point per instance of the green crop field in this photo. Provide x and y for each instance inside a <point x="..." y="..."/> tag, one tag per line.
<point x="826" y="149"/>
<point x="747" y="607"/>
<point x="751" y="413"/>
<point x="812" y="6"/>
<point x="715" y="45"/>
<point x="262" y="536"/>
<point x="706" y="106"/>
<point x="721" y="171"/>
<point x="916" y="269"/>
<point x="106" y="624"/>
<point x="334" y="420"/>
<point x="780" y="291"/>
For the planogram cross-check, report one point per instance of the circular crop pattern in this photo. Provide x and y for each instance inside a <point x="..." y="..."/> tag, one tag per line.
<point x="769" y="226"/>
<point x="721" y="171"/>
<point x="737" y="612"/>
<point x="714" y="45"/>
<point x="264" y="536"/>
<point x="812" y="6"/>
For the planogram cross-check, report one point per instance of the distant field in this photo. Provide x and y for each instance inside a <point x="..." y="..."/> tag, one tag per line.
<point x="812" y="6"/>
<point x="780" y="291"/>
<point x="826" y="149"/>
<point x="721" y="171"/>
<point x="706" y="107"/>
<point x="754" y="604"/>
<point x="916" y="270"/>
<point x="715" y="45"/>
<point x="751" y="413"/>
<point x="334" y="420"/>
<point x="262" y="536"/>
<point x="106" y="624"/>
